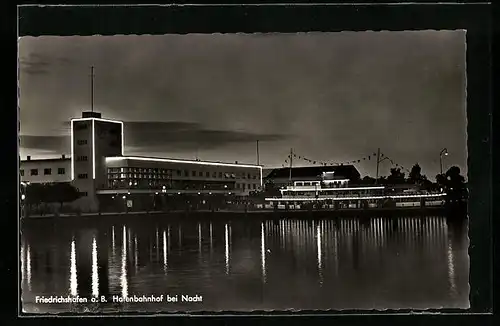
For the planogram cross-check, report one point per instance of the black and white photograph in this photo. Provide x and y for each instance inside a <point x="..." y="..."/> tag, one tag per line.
<point x="243" y="172"/>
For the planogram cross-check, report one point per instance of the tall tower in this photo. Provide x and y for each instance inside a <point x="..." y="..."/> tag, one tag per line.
<point x="92" y="139"/>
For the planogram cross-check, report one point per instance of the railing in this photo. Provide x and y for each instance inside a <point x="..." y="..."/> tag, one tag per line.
<point x="396" y="197"/>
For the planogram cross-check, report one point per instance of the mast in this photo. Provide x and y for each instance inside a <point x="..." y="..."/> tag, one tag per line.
<point x="258" y="158"/>
<point x="291" y="159"/>
<point x="378" y="162"/>
<point x="92" y="88"/>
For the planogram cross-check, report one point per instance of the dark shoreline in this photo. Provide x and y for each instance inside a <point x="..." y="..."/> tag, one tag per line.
<point x="250" y="215"/>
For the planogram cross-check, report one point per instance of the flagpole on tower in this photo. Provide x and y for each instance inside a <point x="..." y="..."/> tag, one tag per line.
<point x="258" y="157"/>
<point x="92" y="88"/>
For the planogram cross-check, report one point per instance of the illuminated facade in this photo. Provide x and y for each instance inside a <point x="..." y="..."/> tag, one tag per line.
<point x="100" y="171"/>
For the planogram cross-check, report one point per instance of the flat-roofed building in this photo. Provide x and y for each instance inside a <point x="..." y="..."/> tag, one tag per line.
<point x="102" y="173"/>
<point x="45" y="170"/>
<point x="176" y="175"/>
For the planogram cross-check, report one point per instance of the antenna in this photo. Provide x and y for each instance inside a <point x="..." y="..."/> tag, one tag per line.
<point x="258" y="158"/>
<point x="92" y="88"/>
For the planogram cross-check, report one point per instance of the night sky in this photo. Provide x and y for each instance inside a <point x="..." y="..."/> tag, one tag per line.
<point x="330" y="96"/>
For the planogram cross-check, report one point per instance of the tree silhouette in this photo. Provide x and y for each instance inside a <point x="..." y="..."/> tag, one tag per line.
<point x="441" y="180"/>
<point x="46" y="193"/>
<point x="271" y="190"/>
<point x="268" y="190"/>
<point x="367" y="180"/>
<point x="62" y="193"/>
<point x="396" y="176"/>
<point x="453" y="183"/>
<point x="415" y="175"/>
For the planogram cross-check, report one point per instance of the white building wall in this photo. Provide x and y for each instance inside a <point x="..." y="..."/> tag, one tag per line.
<point x="26" y="167"/>
<point x="82" y="164"/>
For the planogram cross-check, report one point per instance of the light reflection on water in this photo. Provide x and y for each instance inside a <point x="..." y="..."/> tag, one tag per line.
<point x="246" y="265"/>
<point x="73" y="281"/>
<point x="95" y="275"/>
<point x="124" y="280"/>
<point x="263" y="251"/>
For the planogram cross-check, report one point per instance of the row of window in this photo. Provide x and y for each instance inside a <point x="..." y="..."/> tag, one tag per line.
<point x="125" y="183"/>
<point x="250" y="186"/>
<point x="48" y="171"/>
<point x="84" y="126"/>
<point x="153" y="171"/>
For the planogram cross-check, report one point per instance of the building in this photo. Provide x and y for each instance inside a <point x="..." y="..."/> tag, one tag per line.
<point x="287" y="176"/>
<point x="103" y="175"/>
<point x="46" y="170"/>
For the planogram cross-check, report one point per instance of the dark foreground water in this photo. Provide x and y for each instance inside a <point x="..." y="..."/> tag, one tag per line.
<point x="245" y="265"/>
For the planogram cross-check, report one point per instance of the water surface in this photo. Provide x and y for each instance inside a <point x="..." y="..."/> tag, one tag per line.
<point x="245" y="265"/>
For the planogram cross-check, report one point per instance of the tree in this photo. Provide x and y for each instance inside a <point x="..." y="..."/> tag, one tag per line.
<point x="453" y="183"/>
<point x="271" y="190"/>
<point x="34" y="194"/>
<point x="382" y="180"/>
<point x="62" y="193"/>
<point x="367" y="180"/>
<point x="456" y="189"/>
<point x="415" y="175"/>
<point x="396" y="176"/>
<point x="46" y="193"/>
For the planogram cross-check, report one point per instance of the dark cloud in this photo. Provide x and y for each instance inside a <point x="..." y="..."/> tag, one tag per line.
<point x="330" y="96"/>
<point x="151" y="136"/>
<point x="40" y="64"/>
<point x="188" y="135"/>
<point x="56" y="144"/>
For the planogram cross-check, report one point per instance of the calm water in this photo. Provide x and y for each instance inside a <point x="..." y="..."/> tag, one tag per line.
<point x="243" y="265"/>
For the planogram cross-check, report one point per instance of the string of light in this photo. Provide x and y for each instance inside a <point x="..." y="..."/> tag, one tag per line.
<point x="365" y="158"/>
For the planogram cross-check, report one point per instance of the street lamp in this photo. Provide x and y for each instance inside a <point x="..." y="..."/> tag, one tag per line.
<point x="444" y="152"/>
